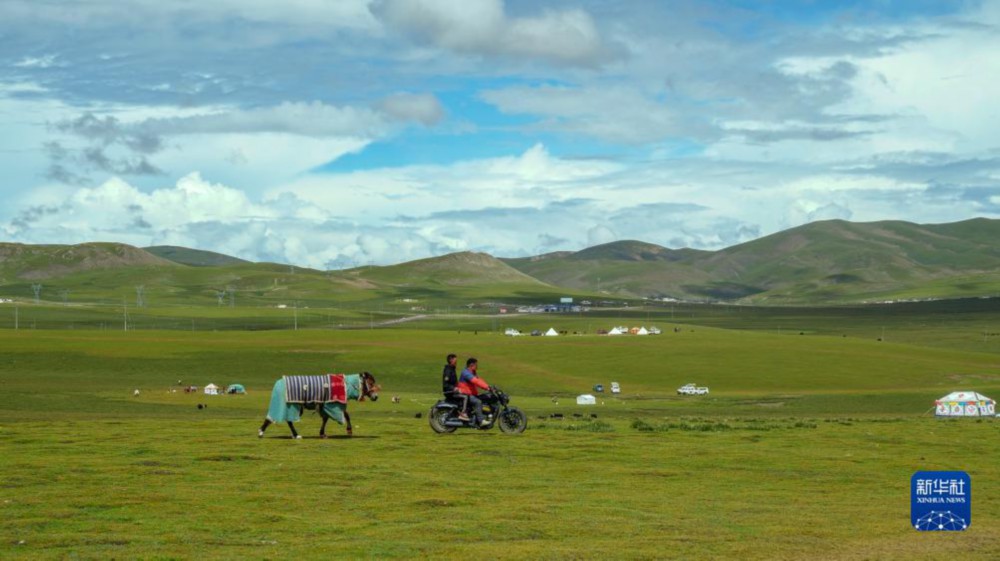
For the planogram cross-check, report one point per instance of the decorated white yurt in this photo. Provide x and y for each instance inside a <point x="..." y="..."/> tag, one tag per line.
<point x="615" y="331"/>
<point x="211" y="389"/>
<point x="965" y="404"/>
<point x="586" y="399"/>
<point x="551" y="332"/>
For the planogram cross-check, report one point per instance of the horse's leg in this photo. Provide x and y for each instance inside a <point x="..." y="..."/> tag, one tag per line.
<point x="294" y="434"/>
<point x="350" y="428"/>
<point x="322" y="428"/>
<point x="260" y="432"/>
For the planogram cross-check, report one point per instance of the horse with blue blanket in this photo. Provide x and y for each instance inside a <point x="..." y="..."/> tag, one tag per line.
<point x="328" y="394"/>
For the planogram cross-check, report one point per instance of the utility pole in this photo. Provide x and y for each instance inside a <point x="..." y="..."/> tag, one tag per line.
<point x="15" y="317"/>
<point x="295" y="310"/>
<point x="125" y="314"/>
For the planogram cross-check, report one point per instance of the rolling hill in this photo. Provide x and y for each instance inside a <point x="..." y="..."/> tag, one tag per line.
<point x="193" y="257"/>
<point x="38" y="262"/>
<point x="828" y="262"/>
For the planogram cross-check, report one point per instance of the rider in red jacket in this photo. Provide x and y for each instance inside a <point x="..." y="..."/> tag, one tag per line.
<point x="469" y="384"/>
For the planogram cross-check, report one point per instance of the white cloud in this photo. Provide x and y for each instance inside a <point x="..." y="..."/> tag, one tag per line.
<point x="45" y="61"/>
<point x="612" y="113"/>
<point x="406" y="107"/>
<point x="484" y="28"/>
<point x="720" y="136"/>
<point x="252" y="148"/>
<point x="349" y="14"/>
<point x="304" y="119"/>
<point x="600" y="234"/>
<point x="533" y="178"/>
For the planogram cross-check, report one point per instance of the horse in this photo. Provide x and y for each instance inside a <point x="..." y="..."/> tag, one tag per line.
<point x="328" y="394"/>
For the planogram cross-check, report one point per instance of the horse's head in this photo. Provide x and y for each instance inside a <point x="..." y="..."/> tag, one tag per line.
<point x="369" y="388"/>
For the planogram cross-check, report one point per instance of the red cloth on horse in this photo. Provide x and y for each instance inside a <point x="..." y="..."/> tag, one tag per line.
<point x="338" y="389"/>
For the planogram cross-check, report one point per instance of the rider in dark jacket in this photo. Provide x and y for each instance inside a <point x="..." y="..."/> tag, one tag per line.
<point x="449" y="383"/>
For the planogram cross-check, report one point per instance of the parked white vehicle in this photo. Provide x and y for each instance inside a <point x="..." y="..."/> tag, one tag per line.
<point x="691" y="389"/>
<point x="615" y="388"/>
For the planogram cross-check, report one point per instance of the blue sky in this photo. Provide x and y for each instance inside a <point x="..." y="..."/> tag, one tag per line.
<point x="329" y="134"/>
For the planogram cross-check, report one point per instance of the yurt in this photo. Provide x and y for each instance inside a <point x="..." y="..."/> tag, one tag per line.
<point x="586" y="399"/>
<point x="965" y="404"/>
<point x="211" y="389"/>
<point x="551" y="332"/>
<point x="615" y="331"/>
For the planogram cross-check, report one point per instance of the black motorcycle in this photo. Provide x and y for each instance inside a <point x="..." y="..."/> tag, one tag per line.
<point x="511" y="420"/>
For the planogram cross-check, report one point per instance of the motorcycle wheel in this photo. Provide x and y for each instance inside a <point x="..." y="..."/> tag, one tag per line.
<point x="437" y="418"/>
<point x="513" y="421"/>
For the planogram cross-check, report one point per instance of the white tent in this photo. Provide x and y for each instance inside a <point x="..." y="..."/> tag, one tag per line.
<point x="511" y="332"/>
<point x="642" y="331"/>
<point x="615" y="331"/>
<point x="964" y="404"/>
<point x="211" y="389"/>
<point x="551" y="332"/>
<point x="586" y="399"/>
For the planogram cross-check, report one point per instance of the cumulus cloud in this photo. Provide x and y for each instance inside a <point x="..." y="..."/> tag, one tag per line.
<point x="722" y="126"/>
<point x="484" y="28"/>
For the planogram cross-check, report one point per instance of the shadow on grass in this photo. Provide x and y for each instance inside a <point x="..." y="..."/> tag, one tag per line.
<point x="329" y="437"/>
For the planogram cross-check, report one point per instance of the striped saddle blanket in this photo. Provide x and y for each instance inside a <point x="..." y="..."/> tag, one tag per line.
<point x="315" y="389"/>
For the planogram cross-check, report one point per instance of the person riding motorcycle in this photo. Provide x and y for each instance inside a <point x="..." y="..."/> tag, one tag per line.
<point x="469" y="384"/>
<point x="449" y="383"/>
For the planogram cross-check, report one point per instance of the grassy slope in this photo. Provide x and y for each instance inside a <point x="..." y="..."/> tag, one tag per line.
<point x="823" y="262"/>
<point x="830" y="261"/>
<point x="432" y="284"/>
<point x="193" y="257"/>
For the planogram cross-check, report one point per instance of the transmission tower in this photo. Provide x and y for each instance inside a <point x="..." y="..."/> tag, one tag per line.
<point x="232" y="296"/>
<point x="139" y="302"/>
<point x="221" y="295"/>
<point x="65" y="295"/>
<point x="37" y="288"/>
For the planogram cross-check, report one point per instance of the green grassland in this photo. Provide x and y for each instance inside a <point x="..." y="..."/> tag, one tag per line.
<point x="803" y="449"/>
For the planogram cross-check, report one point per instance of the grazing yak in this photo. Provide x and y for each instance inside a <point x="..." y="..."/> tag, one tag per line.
<point x="328" y="394"/>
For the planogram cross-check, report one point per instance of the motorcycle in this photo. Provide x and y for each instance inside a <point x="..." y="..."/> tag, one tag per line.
<point x="496" y="410"/>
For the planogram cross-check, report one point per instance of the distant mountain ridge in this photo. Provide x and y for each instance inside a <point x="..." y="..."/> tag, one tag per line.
<point x="832" y="261"/>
